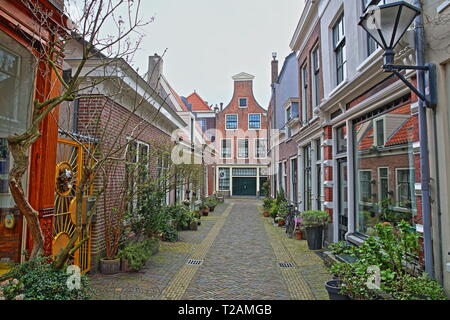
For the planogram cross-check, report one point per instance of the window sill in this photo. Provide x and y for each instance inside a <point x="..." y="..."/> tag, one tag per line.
<point x="369" y="60"/>
<point x="338" y="87"/>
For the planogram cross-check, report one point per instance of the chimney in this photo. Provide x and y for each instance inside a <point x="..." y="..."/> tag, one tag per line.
<point x="221" y="106"/>
<point x="274" y="68"/>
<point x="155" y="69"/>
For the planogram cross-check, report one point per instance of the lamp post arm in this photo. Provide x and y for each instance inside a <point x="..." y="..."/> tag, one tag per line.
<point x="410" y="86"/>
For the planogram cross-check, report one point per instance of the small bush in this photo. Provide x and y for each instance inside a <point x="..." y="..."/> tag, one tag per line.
<point x="37" y="280"/>
<point x="137" y="253"/>
<point x="314" y="218"/>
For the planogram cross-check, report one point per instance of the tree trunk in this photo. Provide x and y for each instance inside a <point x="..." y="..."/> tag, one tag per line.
<point x="19" y="146"/>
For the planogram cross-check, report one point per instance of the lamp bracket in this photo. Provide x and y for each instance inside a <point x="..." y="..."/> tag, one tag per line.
<point x="430" y="94"/>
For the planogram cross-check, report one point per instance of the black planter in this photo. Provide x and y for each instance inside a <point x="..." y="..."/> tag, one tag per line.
<point x="333" y="287"/>
<point x="314" y="237"/>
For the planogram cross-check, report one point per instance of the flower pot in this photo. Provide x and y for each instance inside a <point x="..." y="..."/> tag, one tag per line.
<point x="193" y="226"/>
<point x="205" y="212"/>
<point x="211" y="209"/>
<point x="333" y="287"/>
<point x="314" y="236"/>
<point x="109" y="266"/>
<point x="298" y="235"/>
<point x="266" y="214"/>
<point x="124" y="265"/>
<point x="281" y="223"/>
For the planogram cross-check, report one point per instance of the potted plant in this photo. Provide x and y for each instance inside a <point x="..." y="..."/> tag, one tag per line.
<point x="267" y="206"/>
<point x="283" y="210"/>
<point x="211" y="202"/>
<point x="204" y="209"/>
<point x="314" y="222"/>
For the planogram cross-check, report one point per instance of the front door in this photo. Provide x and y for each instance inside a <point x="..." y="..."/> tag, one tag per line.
<point x="244" y="186"/>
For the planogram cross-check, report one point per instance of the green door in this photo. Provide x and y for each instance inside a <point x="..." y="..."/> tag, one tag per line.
<point x="244" y="186"/>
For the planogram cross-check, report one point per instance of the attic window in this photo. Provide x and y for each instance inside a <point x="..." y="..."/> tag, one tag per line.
<point x="243" y="102"/>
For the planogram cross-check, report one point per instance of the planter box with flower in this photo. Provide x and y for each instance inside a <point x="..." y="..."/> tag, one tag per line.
<point x="391" y="255"/>
<point x="314" y="221"/>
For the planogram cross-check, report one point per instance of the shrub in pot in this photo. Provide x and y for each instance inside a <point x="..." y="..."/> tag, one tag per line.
<point x="314" y="221"/>
<point x="204" y="209"/>
<point x="136" y="254"/>
<point x="211" y="202"/>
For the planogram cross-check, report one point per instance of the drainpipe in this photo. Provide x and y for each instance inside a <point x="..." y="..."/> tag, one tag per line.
<point x="424" y="152"/>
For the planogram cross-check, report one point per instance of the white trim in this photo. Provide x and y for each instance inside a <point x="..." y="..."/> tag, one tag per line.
<point x="239" y="102"/>
<point x="221" y="149"/>
<point x="248" y="121"/>
<point x="256" y="148"/>
<point x="397" y="193"/>
<point x="248" y="148"/>
<point x="237" y="121"/>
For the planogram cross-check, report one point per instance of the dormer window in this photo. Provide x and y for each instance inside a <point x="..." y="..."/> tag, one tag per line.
<point x="243" y="102"/>
<point x="379" y="124"/>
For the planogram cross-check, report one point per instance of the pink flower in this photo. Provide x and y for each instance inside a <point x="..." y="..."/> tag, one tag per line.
<point x="20" y="297"/>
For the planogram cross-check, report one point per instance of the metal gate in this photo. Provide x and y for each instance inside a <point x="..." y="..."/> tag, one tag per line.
<point x="68" y="174"/>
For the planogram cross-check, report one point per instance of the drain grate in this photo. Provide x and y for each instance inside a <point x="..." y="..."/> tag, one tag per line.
<point x="286" y="265"/>
<point x="193" y="262"/>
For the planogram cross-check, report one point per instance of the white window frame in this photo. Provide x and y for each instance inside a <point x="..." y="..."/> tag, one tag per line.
<point x="226" y="121"/>
<point x="256" y="148"/>
<point x="246" y="102"/>
<point x="379" y="181"/>
<point x="304" y="91"/>
<point x="248" y="121"/>
<point x="314" y="90"/>
<point x="336" y="46"/>
<point x="375" y="132"/>
<point x="231" y="149"/>
<point x="397" y="193"/>
<point x="238" y="148"/>
<point x="359" y="186"/>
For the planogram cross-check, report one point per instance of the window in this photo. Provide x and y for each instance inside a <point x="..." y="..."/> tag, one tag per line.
<point x="294" y="194"/>
<point x="405" y="187"/>
<point x="202" y="124"/>
<point x="319" y="174"/>
<point x="243" y="148"/>
<point x="294" y="111"/>
<point x="226" y="149"/>
<point x="231" y="121"/>
<point x="316" y="77"/>
<point x="243" y="102"/>
<point x="288" y="118"/>
<point x="384" y="179"/>
<point x="365" y="182"/>
<point x="245" y="172"/>
<point x="261" y="148"/>
<point x="254" y="121"/>
<point x="341" y="139"/>
<point x="280" y="177"/>
<point x="383" y="183"/>
<point x="305" y="94"/>
<point x="380" y="133"/>
<point x="224" y="179"/>
<point x="307" y="178"/>
<point x="339" y="49"/>
<point x="136" y="167"/>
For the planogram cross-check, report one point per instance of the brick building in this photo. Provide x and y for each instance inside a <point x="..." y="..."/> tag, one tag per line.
<point x="124" y="107"/>
<point x="241" y="142"/>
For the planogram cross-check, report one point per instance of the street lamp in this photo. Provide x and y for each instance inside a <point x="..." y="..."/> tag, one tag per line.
<point x="387" y="24"/>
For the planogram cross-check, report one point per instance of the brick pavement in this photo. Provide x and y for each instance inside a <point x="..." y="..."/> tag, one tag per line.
<point x="239" y="252"/>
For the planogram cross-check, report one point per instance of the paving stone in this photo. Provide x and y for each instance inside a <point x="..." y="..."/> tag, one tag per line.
<point x="240" y="252"/>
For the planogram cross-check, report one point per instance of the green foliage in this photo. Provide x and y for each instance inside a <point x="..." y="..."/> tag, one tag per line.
<point x="266" y="189"/>
<point x="37" y="280"/>
<point x="211" y="202"/>
<point x="179" y="214"/>
<point x="137" y="253"/>
<point x="11" y="289"/>
<point x="268" y="203"/>
<point x="339" y="247"/>
<point x="390" y="250"/>
<point x="393" y="216"/>
<point x="279" y="206"/>
<point x="314" y="218"/>
<point x="169" y="233"/>
<point x="283" y="210"/>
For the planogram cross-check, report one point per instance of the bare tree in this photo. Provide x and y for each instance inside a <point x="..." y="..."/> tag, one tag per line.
<point x="95" y="17"/>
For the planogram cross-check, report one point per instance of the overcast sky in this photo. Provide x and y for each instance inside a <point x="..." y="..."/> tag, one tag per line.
<point x="209" y="41"/>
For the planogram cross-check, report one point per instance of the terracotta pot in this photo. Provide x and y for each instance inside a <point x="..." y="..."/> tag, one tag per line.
<point x="298" y="235"/>
<point x="109" y="266"/>
<point x="124" y="265"/>
<point x="266" y="214"/>
<point x="205" y="212"/>
<point x="281" y="223"/>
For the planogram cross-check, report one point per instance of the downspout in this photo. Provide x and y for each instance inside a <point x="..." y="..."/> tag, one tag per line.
<point x="424" y="152"/>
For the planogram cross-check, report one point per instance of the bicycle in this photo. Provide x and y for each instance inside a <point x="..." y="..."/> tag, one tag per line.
<point x="291" y="221"/>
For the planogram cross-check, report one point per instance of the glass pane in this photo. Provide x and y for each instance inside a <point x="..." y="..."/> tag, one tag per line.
<point x="390" y="196"/>
<point x="224" y="179"/>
